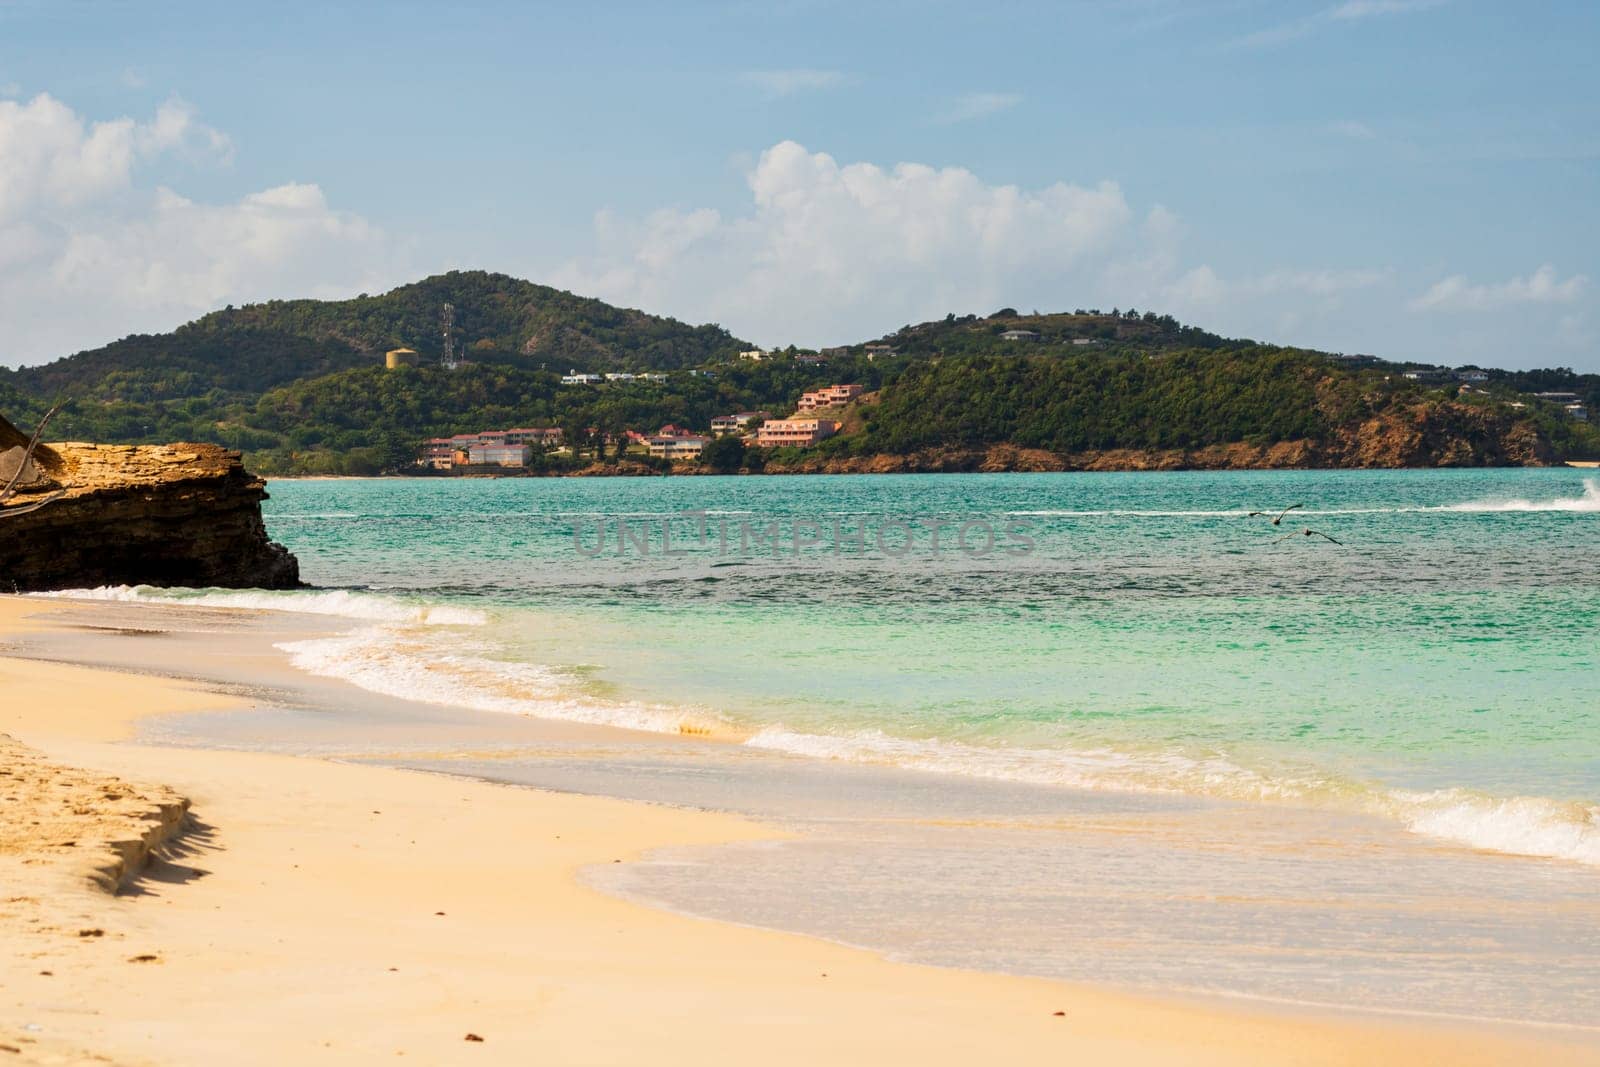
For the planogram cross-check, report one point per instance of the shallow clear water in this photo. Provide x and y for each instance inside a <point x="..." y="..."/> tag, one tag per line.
<point x="1125" y="631"/>
<point x="1162" y="747"/>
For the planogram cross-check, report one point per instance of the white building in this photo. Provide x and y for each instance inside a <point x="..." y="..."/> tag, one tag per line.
<point x="676" y="446"/>
<point x="574" y="378"/>
<point x="754" y="354"/>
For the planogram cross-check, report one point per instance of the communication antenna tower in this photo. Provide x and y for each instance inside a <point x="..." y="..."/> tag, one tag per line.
<point x="449" y="319"/>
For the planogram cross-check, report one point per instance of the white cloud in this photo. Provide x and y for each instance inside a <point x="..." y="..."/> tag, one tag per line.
<point x="782" y="83"/>
<point x="1456" y="293"/>
<point x="1362" y="9"/>
<point x="1349" y="11"/>
<point x="87" y="254"/>
<point x="1351" y="128"/>
<point x="830" y="252"/>
<point x="978" y="106"/>
<point x="1305" y="307"/>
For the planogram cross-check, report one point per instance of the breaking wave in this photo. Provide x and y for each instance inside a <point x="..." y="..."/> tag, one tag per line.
<point x="416" y="666"/>
<point x="405" y="655"/>
<point x="341" y="602"/>
<point x="1588" y="502"/>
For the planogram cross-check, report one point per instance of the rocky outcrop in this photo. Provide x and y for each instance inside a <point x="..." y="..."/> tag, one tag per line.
<point x="1429" y="434"/>
<point x="186" y="514"/>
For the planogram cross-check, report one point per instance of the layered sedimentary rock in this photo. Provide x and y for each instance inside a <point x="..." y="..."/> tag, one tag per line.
<point x="185" y="514"/>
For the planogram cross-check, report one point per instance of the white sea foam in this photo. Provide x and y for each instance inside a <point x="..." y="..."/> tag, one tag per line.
<point x="406" y="657"/>
<point x="1588" y="502"/>
<point x="1081" y="768"/>
<point x="341" y="602"/>
<point x="1524" y="826"/>
<point x="401" y="663"/>
<point x="1520" y="826"/>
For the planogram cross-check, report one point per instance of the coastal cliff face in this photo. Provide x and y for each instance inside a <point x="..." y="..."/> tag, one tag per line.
<point x="185" y="514"/>
<point x="1424" y="435"/>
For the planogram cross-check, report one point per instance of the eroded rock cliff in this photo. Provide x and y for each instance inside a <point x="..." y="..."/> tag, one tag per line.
<point x="1429" y="434"/>
<point x="185" y="514"/>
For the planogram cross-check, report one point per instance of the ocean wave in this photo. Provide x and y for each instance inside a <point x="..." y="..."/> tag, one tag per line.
<point x="1518" y="826"/>
<point x="1588" y="502"/>
<point x="1521" y="826"/>
<point x="412" y="663"/>
<point x="341" y="602"/>
<point x="405" y="664"/>
<point x="1080" y="768"/>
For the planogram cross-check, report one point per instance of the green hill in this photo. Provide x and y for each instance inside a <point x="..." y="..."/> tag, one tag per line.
<point x="243" y="352"/>
<point x="300" y="386"/>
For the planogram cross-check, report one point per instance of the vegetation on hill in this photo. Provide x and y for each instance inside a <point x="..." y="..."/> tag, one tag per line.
<point x="300" y="386"/>
<point x="1075" y="402"/>
<point x="243" y="352"/>
<point x="1106" y="333"/>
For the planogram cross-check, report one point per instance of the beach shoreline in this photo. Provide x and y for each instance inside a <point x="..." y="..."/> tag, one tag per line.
<point x="315" y="931"/>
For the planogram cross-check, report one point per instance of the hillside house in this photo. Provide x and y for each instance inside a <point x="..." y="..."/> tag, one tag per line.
<point x="676" y="446"/>
<point x="437" y="453"/>
<point x="498" y="455"/>
<point x="741" y="420"/>
<point x="796" y="432"/>
<point x="537" y="436"/>
<point x="828" y="396"/>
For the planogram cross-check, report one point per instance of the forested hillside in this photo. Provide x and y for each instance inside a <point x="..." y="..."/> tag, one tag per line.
<point x="300" y="386"/>
<point x="246" y="351"/>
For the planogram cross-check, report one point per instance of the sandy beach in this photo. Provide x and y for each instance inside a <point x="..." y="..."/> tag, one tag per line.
<point x="323" y="912"/>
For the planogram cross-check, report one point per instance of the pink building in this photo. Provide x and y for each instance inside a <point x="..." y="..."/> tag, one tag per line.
<point x="796" y="432"/>
<point x="829" y="396"/>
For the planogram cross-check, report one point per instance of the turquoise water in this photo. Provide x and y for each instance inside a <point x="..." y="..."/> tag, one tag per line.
<point x="1437" y="667"/>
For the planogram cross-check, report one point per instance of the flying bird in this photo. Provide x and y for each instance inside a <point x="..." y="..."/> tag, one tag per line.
<point x="1279" y="520"/>
<point x="1307" y="533"/>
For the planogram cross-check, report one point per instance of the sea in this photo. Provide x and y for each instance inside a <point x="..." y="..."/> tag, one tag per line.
<point x="1102" y="726"/>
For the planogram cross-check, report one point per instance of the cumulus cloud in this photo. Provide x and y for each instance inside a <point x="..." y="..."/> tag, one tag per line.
<point x="1543" y="286"/>
<point x="830" y="252"/>
<point x="978" y="106"/>
<point x="781" y="83"/>
<point x="88" y="254"/>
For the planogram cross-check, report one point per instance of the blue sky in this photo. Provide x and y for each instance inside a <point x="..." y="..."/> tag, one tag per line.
<point x="1412" y="178"/>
